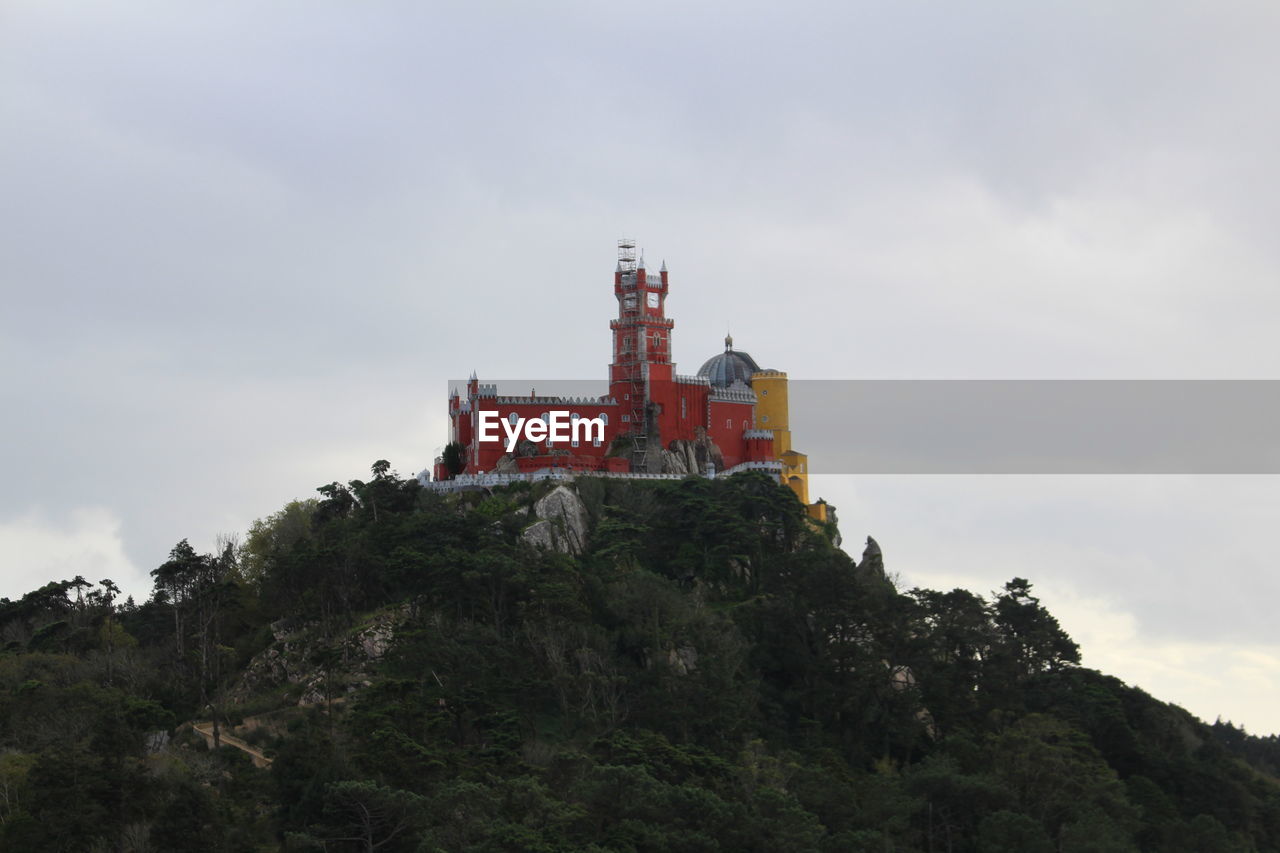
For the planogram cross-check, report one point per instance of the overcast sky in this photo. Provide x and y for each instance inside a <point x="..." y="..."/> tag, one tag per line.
<point x="243" y="248"/>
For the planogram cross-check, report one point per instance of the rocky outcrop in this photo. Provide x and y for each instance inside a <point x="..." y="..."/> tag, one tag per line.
<point x="293" y="660"/>
<point x="682" y="660"/>
<point x="902" y="679"/>
<point x="872" y="565"/>
<point x="561" y="522"/>
<point x="692" y="457"/>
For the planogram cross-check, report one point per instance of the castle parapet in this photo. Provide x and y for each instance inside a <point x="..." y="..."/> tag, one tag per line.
<point x="735" y="393"/>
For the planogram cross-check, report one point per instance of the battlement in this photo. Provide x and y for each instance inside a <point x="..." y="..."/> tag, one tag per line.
<point x="558" y="401"/>
<point x="735" y="393"/>
<point x="692" y="380"/>
<point x="758" y="433"/>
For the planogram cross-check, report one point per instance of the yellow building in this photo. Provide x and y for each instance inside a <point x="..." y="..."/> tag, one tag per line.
<point x="771" y="413"/>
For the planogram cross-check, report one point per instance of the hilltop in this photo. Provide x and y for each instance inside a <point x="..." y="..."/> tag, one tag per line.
<point x="600" y="665"/>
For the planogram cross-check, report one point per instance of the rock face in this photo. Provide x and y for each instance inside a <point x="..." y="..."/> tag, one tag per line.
<point x="683" y="660"/>
<point x="872" y="564"/>
<point x="561" y="524"/>
<point x="291" y="660"/>
<point x="692" y="457"/>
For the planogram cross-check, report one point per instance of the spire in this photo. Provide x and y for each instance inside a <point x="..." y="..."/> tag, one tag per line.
<point x="642" y="259"/>
<point x="664" y="265"/>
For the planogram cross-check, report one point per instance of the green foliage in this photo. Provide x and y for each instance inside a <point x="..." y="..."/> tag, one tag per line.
<point x="454" y="458"/>
<point x="709" y="674"/>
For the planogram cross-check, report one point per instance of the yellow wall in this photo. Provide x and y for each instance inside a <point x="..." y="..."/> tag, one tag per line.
<point x="772" y="413"/>
<point x="771" y="407"/>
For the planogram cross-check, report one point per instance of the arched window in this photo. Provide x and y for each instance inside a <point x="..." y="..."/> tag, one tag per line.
<point x="513" y="418"/>
<point x="604" y="419"/>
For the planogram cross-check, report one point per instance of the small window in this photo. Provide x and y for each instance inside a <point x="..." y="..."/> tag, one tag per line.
<point x="764" y="392"/>
<point x="604" y="418"/>
<point x="513" y="418"/>
<point x="595" y="442"/>
<point x="626" y="419"/>
<point x="764" y="419"/>
<point x="573" y="442"/>
<point x="728" y="423"/>
<point x="684" y="407"/>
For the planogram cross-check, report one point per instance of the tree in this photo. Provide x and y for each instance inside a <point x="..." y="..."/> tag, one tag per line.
<point x="1011" y="832"/>
<point x="369" y="814"/>
<point x="175" y="579"/>
<point x="1033" y="639"/>
<point x="272" y="537"/>
<point x="454" y="459"/>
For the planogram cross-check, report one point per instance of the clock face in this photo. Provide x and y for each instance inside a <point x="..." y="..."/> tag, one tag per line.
<point x="653" y="299"/>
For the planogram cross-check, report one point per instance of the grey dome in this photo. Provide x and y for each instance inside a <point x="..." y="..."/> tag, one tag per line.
<point x="729" y="366"/>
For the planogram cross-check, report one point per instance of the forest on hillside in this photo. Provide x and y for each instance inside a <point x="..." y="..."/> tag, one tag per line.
<point x="683" y="665"/>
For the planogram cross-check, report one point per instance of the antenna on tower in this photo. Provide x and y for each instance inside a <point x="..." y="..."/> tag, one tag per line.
<point x="627" y="254"/>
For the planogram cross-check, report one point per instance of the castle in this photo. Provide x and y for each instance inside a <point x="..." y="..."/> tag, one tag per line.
<point x="731" y="416"/>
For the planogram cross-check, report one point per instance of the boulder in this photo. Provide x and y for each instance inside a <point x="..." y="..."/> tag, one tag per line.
<point x="561" y="524"/>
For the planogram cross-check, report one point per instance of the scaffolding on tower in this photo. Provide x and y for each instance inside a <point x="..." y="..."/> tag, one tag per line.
<point x="627" y="255"/>
<point x="636" y="390"/>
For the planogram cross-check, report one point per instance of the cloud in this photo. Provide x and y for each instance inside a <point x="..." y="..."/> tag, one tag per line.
<point x="1234" y="681"/>
<point x="87" y="542"/>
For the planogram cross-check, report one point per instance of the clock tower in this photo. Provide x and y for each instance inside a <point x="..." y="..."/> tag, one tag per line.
<point x="641" y="336"/>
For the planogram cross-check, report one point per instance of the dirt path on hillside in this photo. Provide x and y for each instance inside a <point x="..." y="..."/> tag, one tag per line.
<point x="204" y="728"/>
